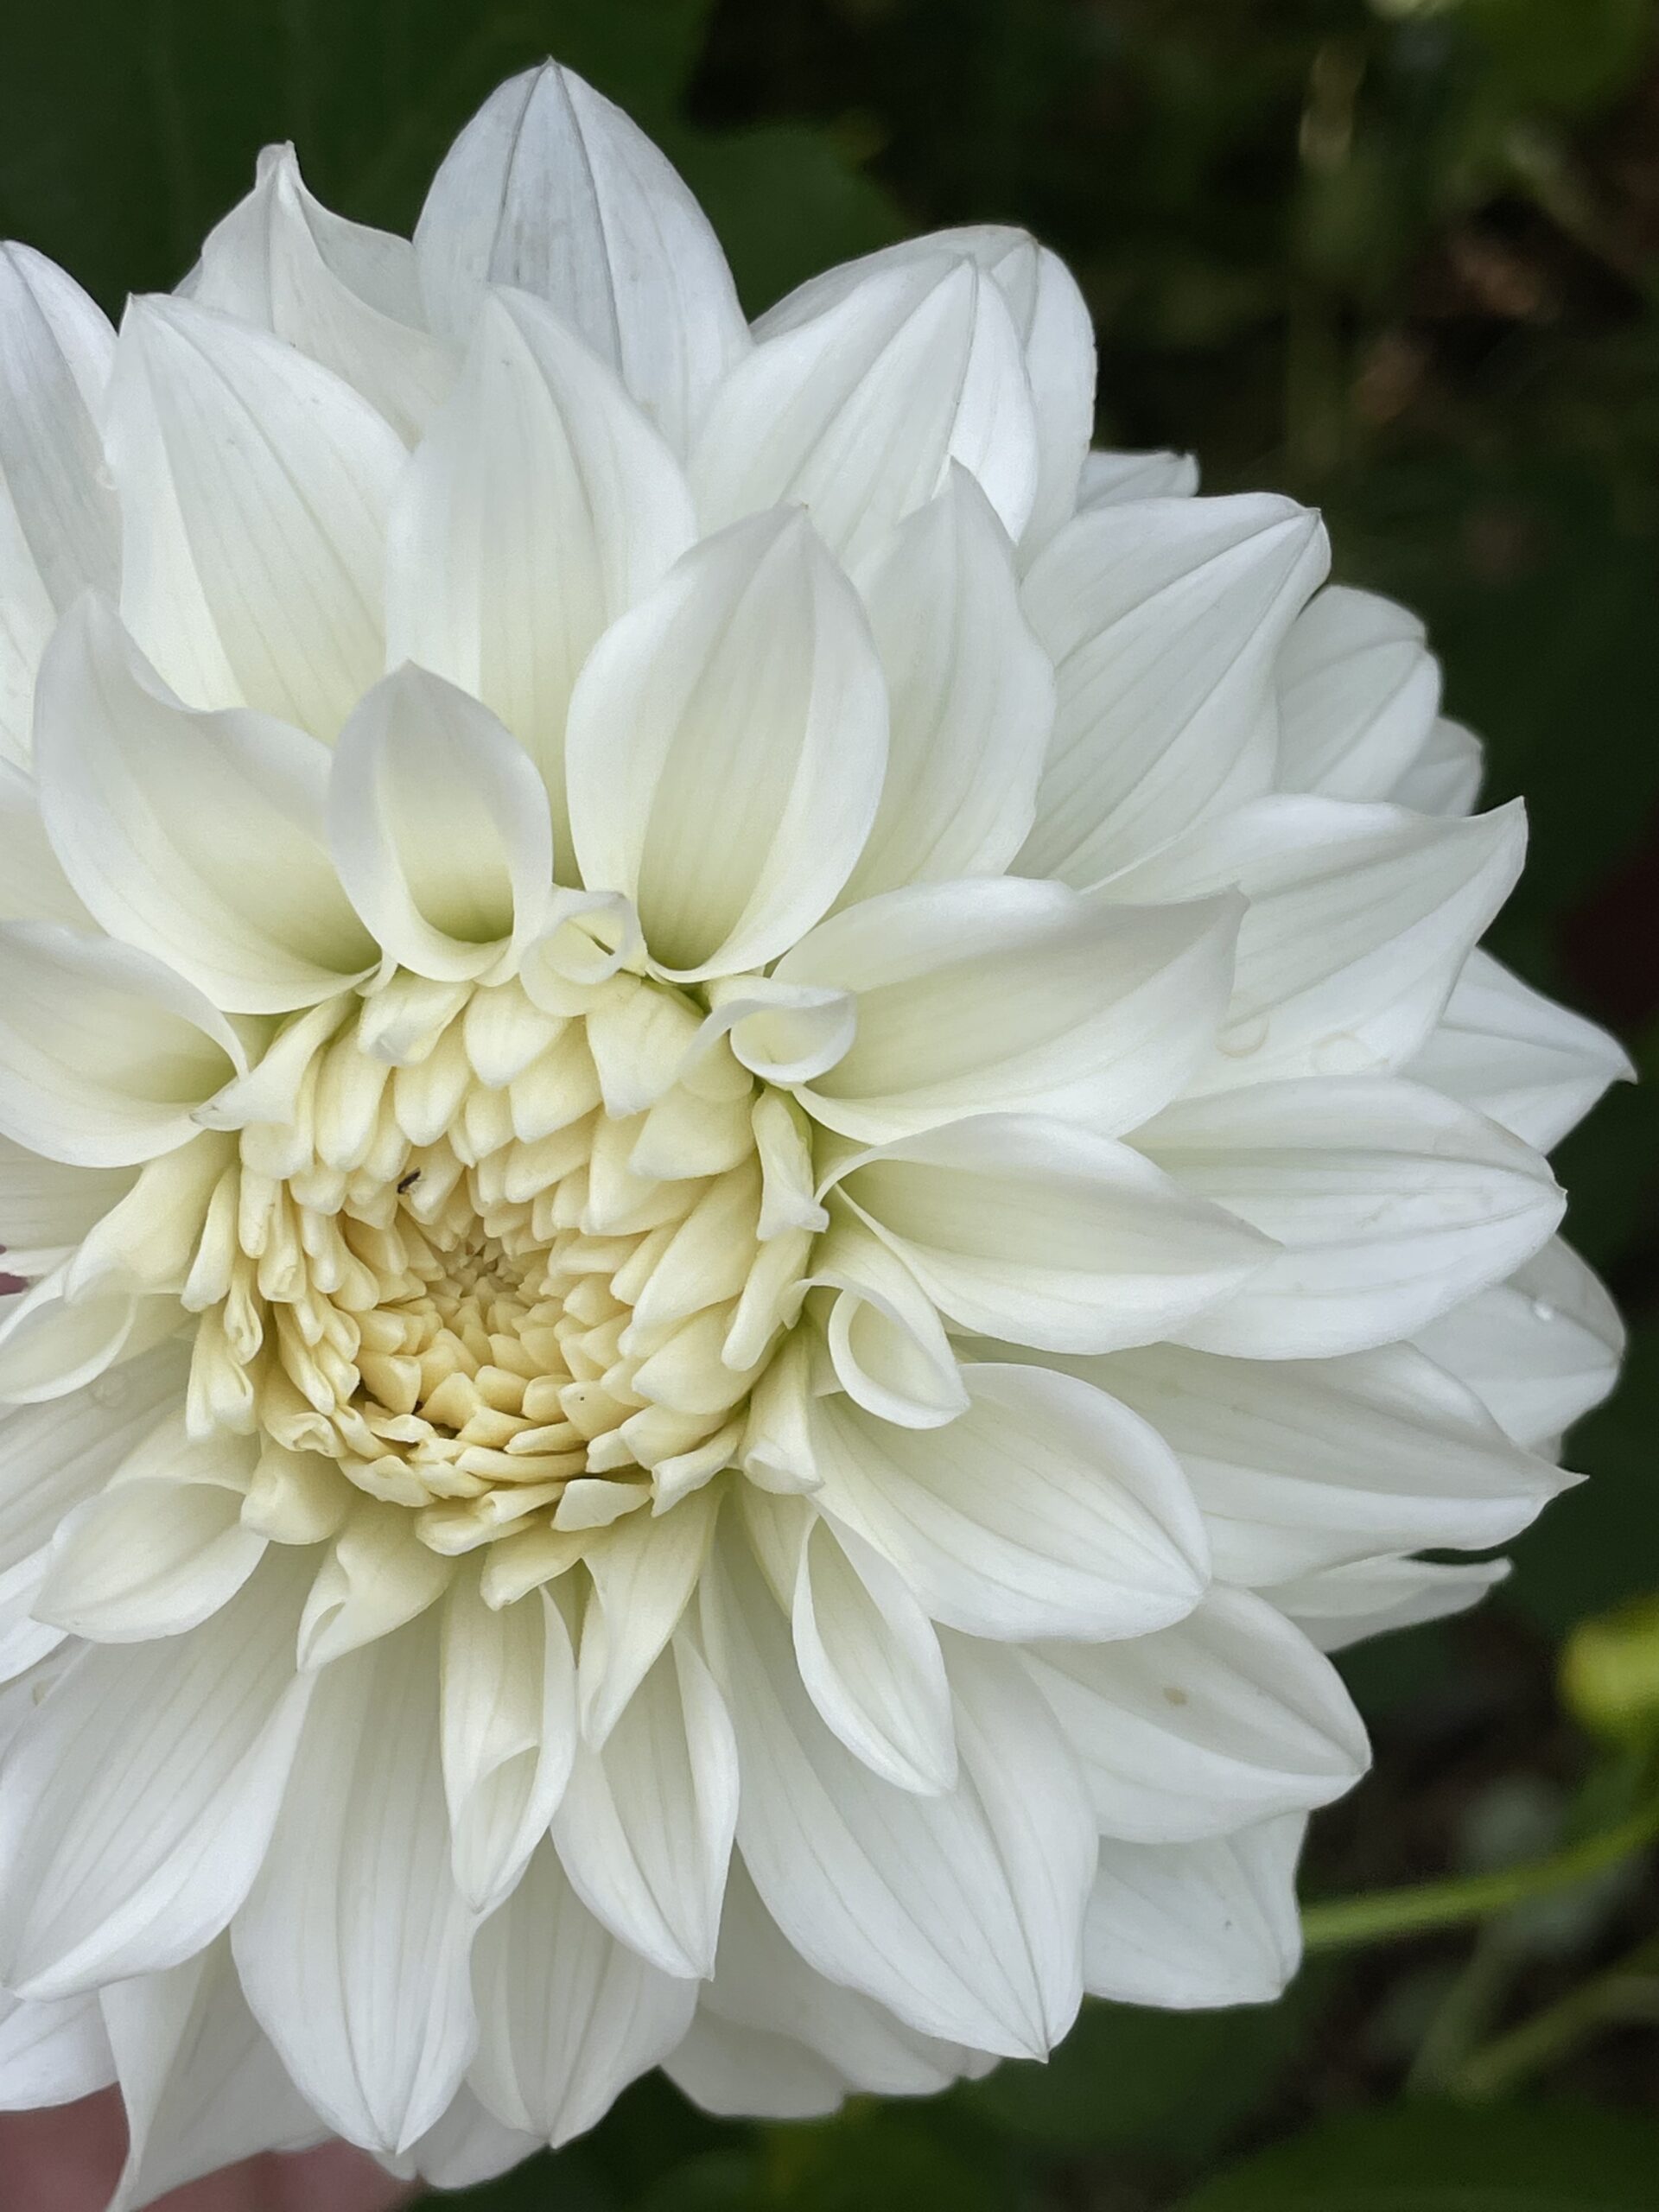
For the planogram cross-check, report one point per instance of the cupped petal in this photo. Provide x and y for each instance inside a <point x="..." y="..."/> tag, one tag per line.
<point x="1509" y="1053"/>
<point x="1110" y="478"/>
<point x="1359" y="922"/>
<point x="644" y="1829"/>
<point x="353" y="1944"/>
<point x="254" y="489"/>
<point x="552" y="190"/>
<point x="151" y="1558"/>
<point x="857" y="411"/>
<point x="1345" y="1604"/>
<point x="1230" y="1718"/>
<point x="567" y="2015"/>
<point x="1189" y="1926"/>
<point x="888" y="1346"/>
<point x="540" y="506"/>
<point x="970" y="693"/>
<point x="196" y="836"/>
<point x="1539" y="1350"/>
<point x="1047" y="1235"/>
<point x="742" y="2073"/>
<point x="140" y="1798"/>
<point x="1391" y="1204"/>
<point x="104" y="1051"/>
<point x="52" y="2053"/>
<point x="644" y="1570"/>
<point x="1301" y="1465"/>
<point x="343" y="293"/>
<point x="439" y="830"/>
<point x="1046" y="1510"/>
<point x="960" y="1913"/>
<point x="53" y="1344"/>
<point x="1013" y="996"/>
<point x="1163" y="618"/>
<point x="467" y="2145"/>
<point x="726" y="747"/>
<point x="1358" y="694"/>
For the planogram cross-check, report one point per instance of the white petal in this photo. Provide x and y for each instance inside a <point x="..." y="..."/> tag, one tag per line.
<point x="568" y="2016"/>
<point x="1299" y="1465"/>
<point x="1368" y="1596"/>
<point x="376" y="1576"/>
<point x="1539" y="1349"/>
<point x="139" y="1799"/>
<point x="1109" y="479"/>
<point x="1446" y="777"/>
<point x="858" y="411"/>
<point x="739" y="2072"/>
<point x="254" y="489"/>
<point x="960" y="1913"/>
<point x="1013" y="996"/>
<point x="1046" y="1234"/>
<point x="1188" y="1926"/>
<point x="644" y="1829"/>
<point x="202" y="2087"/>
<point x="103" y="1051"/>
<point x="346" y="295"/>
<point x="886" y="1344"/>
<point x="971" y="695"/>
<point x="644" y="1573"/>
<point x="353" y="1944"/>
<point x="552" y="190"/>
<point x="439" y="830"/>
<point x="52" y="2054"/>
<point x="1163" y="617"/>
<point x="1390" y="1202"/>
<point x="46" y="1208"/>
<point x="540" y="506"/>
<point x="1358" y="693"/>
<point x="1360" y="919"/>
<point x="35" y="886"/>
<point x="1046" y="1510"/>
<point x="726" y="746"/>
<point x="1230" y="1718"/>
<point x="196" y="836"/>
<point x="509" y="1733"/>
<point x="150" y="1558"/>
<point x="1508" y="1051"/>
<point x="466" y="2146"/>
<point x="53" y="1342"/>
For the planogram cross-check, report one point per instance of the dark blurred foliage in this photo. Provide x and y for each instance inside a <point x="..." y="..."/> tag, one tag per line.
<point x="1400" y="258"/>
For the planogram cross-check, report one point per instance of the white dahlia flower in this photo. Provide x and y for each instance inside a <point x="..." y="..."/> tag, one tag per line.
<point x="760" y="1163"/>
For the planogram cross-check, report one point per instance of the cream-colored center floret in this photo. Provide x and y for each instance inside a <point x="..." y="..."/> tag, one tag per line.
<point x="512" y="1265"/>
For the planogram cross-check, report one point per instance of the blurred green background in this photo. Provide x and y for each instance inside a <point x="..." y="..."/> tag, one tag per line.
<point x="1399" y="258"/>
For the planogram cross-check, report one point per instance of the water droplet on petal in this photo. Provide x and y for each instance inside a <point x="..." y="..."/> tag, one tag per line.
<point x="1542" y="1310"/>
<point x="1344" y="1054"/>
<point x="1244" y="1037"/>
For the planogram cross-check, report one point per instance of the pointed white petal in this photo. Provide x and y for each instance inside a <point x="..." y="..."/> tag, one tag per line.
<point x="1299" y="1465"/>
<point x="1108" y="478"/>
<point x="737" y="2072"/>
<point x="1163" y="618"/>
<point x="52" y="2054"/>
<point x="1446" y="777"/>
<point x="353" y="1944"/>
<point x="1360" y="919"/>
<point x="644" y="1829"/>
<point x="103" y="1051"/>
<point x="1368" y="1596"/>
<point x="439" y="830"/>
<point x="140" y="1798"/>
<point x="644" y="1573"/>
<point x="567" y="2015"/>
<point x="46" y="1208"/>
<point x="55" y="351"/>
<point x="726" y="747"/>
<point x="1046" y="1510"/>
<point x="1230" y="1718"/>
<point x="509" y="1733"/>
<point x="886" y="1344"/>
<point x="960" y="1913"/>
<point x="148" y="1559"/>
<point x="1047" y="1234"/>
<point x="1539" y="1349"/>
<point x="346" y="295"/>
<point x="54" y="1341"/>
<point x="1390" y="1203"/>
<point x="1187" y="1926"/>
<point x="1013" y="996"/>
<point x="254" y="489"/>
<point x="971" y="695"/>
<point x="552" y="190"/>
<point x="1509" y="1051"/>
<point x="540" y="506"/>
<point x="1358" y="693"/>
<point x="466" y="2146"/>
<point x="202" y="2087"/>
<point x="196" y="836"/>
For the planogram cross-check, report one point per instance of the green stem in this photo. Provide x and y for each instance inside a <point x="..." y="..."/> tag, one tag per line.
<point x="1382" y="1915"/>
<point x="1627" y="1990"/>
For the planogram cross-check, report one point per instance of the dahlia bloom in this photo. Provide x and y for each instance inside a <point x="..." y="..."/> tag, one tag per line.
<point x="761" y="1164"/>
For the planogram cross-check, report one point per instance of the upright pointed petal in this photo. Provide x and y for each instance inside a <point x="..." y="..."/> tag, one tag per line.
<point x="1539" y="1349"/>
<point x="196" y="836"/>
<point x="254" y="490"/>
<point x="1193" y="1925"/>
<point x="103" y="1051"/>
<point x="552" y="190"/>
<point x="1446" y="777"/>
<point x="738" y="711"/>
<point x="1358" y="693"/>
<point x="644" y="1571"/>
<point x="540" y="506"/>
